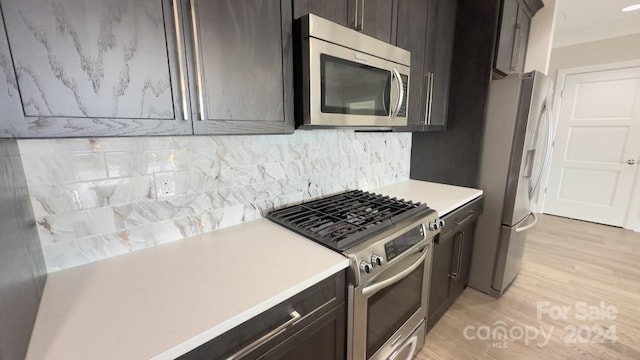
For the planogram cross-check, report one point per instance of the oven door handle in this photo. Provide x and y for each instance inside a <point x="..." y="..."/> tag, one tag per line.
<point x="372" y="289"/>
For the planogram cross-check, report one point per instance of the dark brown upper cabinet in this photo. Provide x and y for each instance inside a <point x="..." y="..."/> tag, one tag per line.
<point x="513" y="35"/>
<point x="439" y="53"/>
<point x="376" y="18"/>
<point x="95" y="68"/>
<point x="333" y="10"/>
<point x="150" y="67"/>
<point x="242" y="64"/>
<point x="412" y="36"/>
<point x="426" y="28"/>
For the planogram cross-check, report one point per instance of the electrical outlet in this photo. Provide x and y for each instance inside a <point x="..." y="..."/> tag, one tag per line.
<point x="165" y="184"/>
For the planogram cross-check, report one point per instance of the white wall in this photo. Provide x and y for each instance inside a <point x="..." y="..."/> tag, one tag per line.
<point x="624" y="48"/>
<point x="541" y="38"/>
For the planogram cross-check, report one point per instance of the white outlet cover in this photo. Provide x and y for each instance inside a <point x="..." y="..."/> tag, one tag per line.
<point x="165" y="184"/>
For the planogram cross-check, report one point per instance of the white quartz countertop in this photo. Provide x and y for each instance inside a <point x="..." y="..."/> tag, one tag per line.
<point x="164" y="301"/>
<point x="440" y="197"/>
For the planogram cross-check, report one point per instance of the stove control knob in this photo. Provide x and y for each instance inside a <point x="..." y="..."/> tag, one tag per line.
<point x="365" y="267"/>
<point x="441" y="223"/>
<point x="434" y="226"/>
<point x="377" y="260"/>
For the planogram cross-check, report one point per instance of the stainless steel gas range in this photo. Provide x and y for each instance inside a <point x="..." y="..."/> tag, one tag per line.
<point x="389" y="244"/>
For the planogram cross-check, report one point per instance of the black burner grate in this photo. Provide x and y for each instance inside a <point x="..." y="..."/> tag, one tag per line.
<point x="344" y="220"/>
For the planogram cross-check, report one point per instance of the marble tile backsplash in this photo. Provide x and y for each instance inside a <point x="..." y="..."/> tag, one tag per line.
<point x="97" y="198"/>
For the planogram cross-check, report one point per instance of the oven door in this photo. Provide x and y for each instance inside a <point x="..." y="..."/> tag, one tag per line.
<point x="388" y="308"/>
<point x="350" y="88"/>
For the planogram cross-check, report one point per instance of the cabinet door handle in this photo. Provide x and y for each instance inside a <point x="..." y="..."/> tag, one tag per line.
<point x="196" y="55"/>
<point x="433" y="81"/>
<point x="460" y="253"/>
<point x="355" y="16"/>
<point x="362" y="15"/>
<point x="358" y="26"/>
<point x="180" y="49"/>
<point x="456" y="275"/>
<point x="429" y="97"/>
<point x="516" y="47"/>
<point x="427" y="78"/>
<point x="294" y="317"/>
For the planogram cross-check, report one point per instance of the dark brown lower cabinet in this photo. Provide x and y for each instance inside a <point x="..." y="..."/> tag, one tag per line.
<point x="310" y="325"/>
<point x="323" y="339"/>
<point x="452" y="259"/>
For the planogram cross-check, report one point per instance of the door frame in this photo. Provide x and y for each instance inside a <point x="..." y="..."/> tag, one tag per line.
<point x="632" y="220"/>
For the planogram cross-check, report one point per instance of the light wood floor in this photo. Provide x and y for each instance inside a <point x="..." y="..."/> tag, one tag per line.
<point x="565" y="261"/>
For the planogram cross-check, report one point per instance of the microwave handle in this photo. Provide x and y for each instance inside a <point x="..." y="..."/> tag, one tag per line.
<point x="392" y="109"/>
<point x="396" y="75"/>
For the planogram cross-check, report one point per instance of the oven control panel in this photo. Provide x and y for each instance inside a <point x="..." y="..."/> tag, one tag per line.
<point x="403" y="242"/>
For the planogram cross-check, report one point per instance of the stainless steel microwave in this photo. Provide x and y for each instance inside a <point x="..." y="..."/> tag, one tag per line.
<point x="346" y="78"/>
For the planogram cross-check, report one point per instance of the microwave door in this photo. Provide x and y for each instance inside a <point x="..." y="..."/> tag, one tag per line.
<point x="351" y="88"/>
<point x="363" y="99"/>
<point x="377" y="100"/>
<point x="348" y="88"/>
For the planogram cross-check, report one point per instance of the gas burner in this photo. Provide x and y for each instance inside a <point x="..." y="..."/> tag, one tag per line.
<point x="344" y="220"/>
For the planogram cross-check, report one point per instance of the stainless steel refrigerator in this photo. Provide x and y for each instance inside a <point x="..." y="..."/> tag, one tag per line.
<point x="516" y="149"/>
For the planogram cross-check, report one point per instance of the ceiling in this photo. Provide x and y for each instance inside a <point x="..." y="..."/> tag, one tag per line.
<point x="579" y="21"/>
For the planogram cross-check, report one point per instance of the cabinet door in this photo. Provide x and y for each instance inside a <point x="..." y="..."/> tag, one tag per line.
<point x="522" y="33"/>
<point x="324" y="339"/>
<point x="243" y="66"/>
<point x="463" y="243"/>
<point x="375" y="18"/>
<point x="334" y="10"/>
<point x="439" y="54"/>
<point x="260" y="335"/>
<point x="468" y="237"/>
<point x="96" y="67"/>
<point x="507" y="37"/>
<point x="412" y="32"/>
<point x="10" y="121"/>
<point x="440" y="278"/>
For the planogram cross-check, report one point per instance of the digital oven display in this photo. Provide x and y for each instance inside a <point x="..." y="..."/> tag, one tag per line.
<point x="402" y="243"/>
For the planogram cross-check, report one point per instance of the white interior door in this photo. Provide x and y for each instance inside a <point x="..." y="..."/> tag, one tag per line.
<point x="597" y="147"/>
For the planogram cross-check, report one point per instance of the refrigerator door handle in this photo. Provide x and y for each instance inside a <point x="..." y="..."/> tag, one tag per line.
<point x="547" y="154"/>
<point x="527" y="227"/>
<point x="530" y="159"/>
